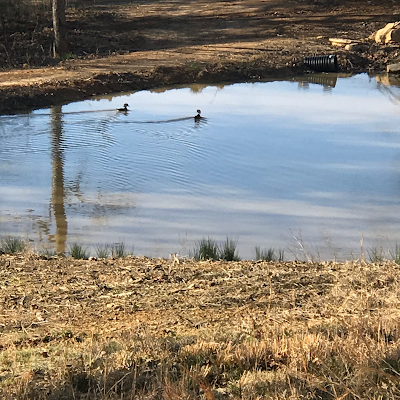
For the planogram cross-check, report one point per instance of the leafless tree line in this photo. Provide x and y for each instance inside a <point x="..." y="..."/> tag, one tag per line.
<point x="20" y="9"/>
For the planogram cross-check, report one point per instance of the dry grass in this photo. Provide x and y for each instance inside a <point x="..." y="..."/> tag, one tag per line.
<point x="140" y="328"/>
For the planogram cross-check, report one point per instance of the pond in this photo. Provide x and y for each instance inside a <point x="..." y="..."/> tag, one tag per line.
<point x="311" y="166"/>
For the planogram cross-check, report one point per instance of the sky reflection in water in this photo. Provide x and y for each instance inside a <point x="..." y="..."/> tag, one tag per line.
<point x="274" y="164"/>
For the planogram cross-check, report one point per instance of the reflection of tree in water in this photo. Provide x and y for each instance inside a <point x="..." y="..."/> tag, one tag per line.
<point x="104" y="206"/>
<point x="111" y="205"/>
<point x="73" y="188"/>
<point x="58" y="192"/>
<point x="194" y="87"/>
<point x="97" y="206"/>
<point x="67" y="194"/>
<point x="388" y="85"/>
<point x="40" y="225"/>
<point x="43" y="228"/>
<point x="101" y="206"/>
<point x="198" y="88"/>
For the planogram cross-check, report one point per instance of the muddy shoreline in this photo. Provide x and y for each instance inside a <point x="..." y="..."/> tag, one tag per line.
<point x="19" y="99"/>
<point x="26" y="98"/>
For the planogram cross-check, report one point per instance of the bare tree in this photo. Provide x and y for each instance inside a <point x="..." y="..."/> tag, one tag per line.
<point x="60" y="30"/>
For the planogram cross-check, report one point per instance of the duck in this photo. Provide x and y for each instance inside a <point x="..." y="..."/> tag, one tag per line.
<point x="198" y="117"/>
<point x="124" y="108"/>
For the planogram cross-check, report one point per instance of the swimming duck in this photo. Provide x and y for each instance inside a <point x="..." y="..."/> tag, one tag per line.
<point x="198" y="116"/>
<point x="124" y="108"/>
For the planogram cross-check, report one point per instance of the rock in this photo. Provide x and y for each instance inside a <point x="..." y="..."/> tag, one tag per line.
<point x="393" y="36"/>
<point x="385" y="34"/>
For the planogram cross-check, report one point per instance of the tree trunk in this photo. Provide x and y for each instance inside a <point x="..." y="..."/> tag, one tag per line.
<point x="60" y="30"/>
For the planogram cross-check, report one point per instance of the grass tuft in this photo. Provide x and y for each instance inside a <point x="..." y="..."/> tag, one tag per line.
<point x="376" y="255"/>
<point x="209" y="249"/>
<point x="76" y="250"/>
<point x="228" y="250"/>
<point x="205" y="249"/>
<point x="269" y="254"/>
<point x="118" y="250"/>
<point x="103" y="251"/>
<point x="395" y="254"/>
<point x="12" y="245"/>
<point x="47" y="254"/>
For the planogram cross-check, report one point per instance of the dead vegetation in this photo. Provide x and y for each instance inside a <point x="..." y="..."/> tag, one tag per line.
<point x="141" y="328"/>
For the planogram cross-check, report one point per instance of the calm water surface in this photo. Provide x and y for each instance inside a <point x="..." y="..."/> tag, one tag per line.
<point x="293" y="165"/>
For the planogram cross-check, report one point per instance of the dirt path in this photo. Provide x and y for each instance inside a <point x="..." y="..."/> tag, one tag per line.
<point x="152" y="44"/>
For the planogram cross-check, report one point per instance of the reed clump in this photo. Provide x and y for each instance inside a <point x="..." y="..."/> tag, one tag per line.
<point x="210" y="249"/>
<point x="12" y="245"/>
<point x="228" y="250"/>
<point x="118" y="250"/>
<point x="269" y="254"/>
<point x="79" y="251"/>
<point x="103" y="251"/>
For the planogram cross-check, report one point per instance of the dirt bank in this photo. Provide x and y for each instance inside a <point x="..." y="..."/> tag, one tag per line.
<point x="125" y="45"/>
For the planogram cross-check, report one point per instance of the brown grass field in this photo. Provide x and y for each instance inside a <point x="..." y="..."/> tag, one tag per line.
<point x="141" y="328"/>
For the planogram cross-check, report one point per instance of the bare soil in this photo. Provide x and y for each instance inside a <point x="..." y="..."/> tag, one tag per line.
<point x="133" y="45"/>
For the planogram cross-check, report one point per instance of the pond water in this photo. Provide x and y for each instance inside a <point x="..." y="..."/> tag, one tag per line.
<point x="310" y="166"/>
